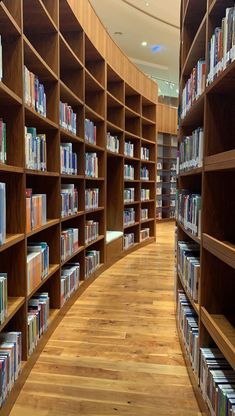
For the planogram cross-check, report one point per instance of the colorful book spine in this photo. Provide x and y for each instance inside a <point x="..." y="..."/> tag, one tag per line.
<point x="129" y="195"/>
<point x="128" y="240"/>
<point x="91" y="165"/>
<point x="194" y="87"/>
<point x="70" y="277"/>
<point x="188" y="211"/>
<point x="129" y="149"/>
<point x="3" y="297"/>
<point x="144" y="234"/>
<point x="217" y="382"/>
<point x="3" y="141"/>
<point x="129" y="216"/>
<point x="188" y="325"/>
<point x="34" y="93"/>
<point x="69" y="242"/>
<point x="189" y="267"/>
<point x="144" y="213"/>
<point x="145" y="154"/>
<point x="92" y="198"/>
<point x="68" y="159"/>
<point x="36" y="210"/>
<point x="144" y="173"/>
<point x="92" y="262"/>
<point x="113" y="143"/>
<point x="1" y="62"/>
<point x="90" y="131"/>
<point x="37" y="264"/>
<point x="68" y="119"/>
<point x="35" y="150"/>
<point x="221" y="48"/>
<point x="2" y="213"/>
<point x="145" y="194"/>
<point x="10" y="361"/>
<point x="191" y="151"/>
<point x="129" y="172"/>
<point x="91" y="231"/>
<point x="38" y="318"/>
<point x="69" y="200"/>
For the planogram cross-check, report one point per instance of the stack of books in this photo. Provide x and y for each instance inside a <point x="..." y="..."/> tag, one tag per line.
<point x="144" y="213"/>
<point x="35" y="150"/>
<point x="113" y="143"/>
<point x="188" y="324"/>
<point x="129" y="149"/>
<point x="36" y="210"/>
<point x="144" y="234"/>
<point x="188" y="209"/>
<point x="2" y="213"/>
<point x="70" y="277"/>
<point x="34" y="93"/>
<point x="194" y="87"/>
<point x="10" y="357"/>
<point x="129" y="195"/>
<point x="191" y="151"/>
<point x="69" y="200"/>
<point x="91" y="165"/>
<point x="145" y="153"/>
<point x="68" y="119"/>
<point x="37" y="264"/>
<point x="144" y="173"/>
<point x="92" y="198"/>
<point x="129" y="216"/>
<point x="129" y="172"/>
<point x="189" y="266"/>
<point x="91" y="231"/>
<point x="128" y="240"/>
<point x="69" y="242"/>
<point x="145" y="194"/>
<point x="92" y="262"/>
<point x="38" y="317"/>
<point x="68" y="159"/>
<point x="90" y="131"/>
<point x="217" y="382"/>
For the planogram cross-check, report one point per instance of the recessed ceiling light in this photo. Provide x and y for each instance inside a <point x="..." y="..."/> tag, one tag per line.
<point x="144" y="43"/>
<point x="147" y="3"/>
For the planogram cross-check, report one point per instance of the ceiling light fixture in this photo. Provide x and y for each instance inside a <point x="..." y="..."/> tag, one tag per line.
<point x="147" y="3"/>
<point x="144" y="43"/>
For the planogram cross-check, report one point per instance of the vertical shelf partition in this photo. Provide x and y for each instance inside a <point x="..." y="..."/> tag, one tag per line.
<point x="70" y="55"/>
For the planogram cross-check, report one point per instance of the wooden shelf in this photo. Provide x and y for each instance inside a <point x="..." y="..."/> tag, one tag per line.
<point x="65" y="176"/>
<point x="35" y="119"/>
<point x="132" y="203"/>
<point x="94" y="147"/>
<point x="194" y="117"/>
<point x="224" y="250"/>
<point x="189" y="234"/>
<point x="81" y="248"/>
<point x="36" y="64"/>
<point x="101" y="237"/>
<point x="49" y="223"/>
<point x="68" y="135"/>
<point x="196" y="171"/>
<point x="11" y="240"/>
<point x="8" y="96"/>
<point x="221" y="161"/>
<point x="41" y="173"/>
<point x="7" y="22"/>
<point x="53" y="268"/>
<point x="8" y="168"/>
<point x="89" y="178"/>
<point x="222" y="332"/>
<point x="88" y="211"/>
<point x="91" y="83"/>
<point x="68" y="96"/>
<point x="92" y="114"/>
<point x="195" y="305"/>
<point x="131" y="225"/>
<point x="147" y="220"/>
<point x="13" y="305"/>
<point x="70" y="217"/>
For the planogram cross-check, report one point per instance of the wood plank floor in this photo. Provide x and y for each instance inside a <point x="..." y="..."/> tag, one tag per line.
<point x="116" y="352"/>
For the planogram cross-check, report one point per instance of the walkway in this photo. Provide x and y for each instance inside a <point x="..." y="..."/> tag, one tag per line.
<point x="116" y="351"/>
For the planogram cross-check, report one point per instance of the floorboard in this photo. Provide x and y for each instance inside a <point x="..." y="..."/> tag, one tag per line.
<point x="116" y="352"/>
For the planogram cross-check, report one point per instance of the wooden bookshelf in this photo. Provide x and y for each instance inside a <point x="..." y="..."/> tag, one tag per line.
<point x="213" y="111"/>
<point x="78" y="63"/>
<point x="166" y="157"/>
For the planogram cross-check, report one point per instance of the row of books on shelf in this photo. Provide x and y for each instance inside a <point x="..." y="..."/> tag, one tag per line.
<point x="69" y="242"/>
<point x="129" y="216"/>
<point x="113" y="143"/>
<point x="129" y="173"/>
<point x="91" y="165"/>
<point x="69" y="200"/>
<point x="129" y="149"/>
<point x="170" y="214"/>
<point x="3" y="141"/>
<point x="38" y="318"/>
<point x="68" y="119"/>
<point x="191" y="151"/>
<point x="90" y="131"/>
<point x="35" y="150"/>
<point x="68" y="159"/>
<point x="171" y="168"/>
<point x="129" y="239"/>
<point x="92" y="262"/>
<point x="36" y="210"/>
<point x="188" y="211"/>
<point x="70" y="278"/>
<point x="129" y="195"/>
<point x="189" y="267"/>
<point x="144" y="173"/>
<point x="216" y="376"/>
<point x="221" y="51"/>
<point x="144" y="213"/>
<point x="91" y="231"/>
<point x="145" y="153"/>
<point x="165" y="179"/>
<point x="34" y="92"/>
<point x="37" y="264"/>
<point x="194" y="87"/>
<point x="92" y="198"/>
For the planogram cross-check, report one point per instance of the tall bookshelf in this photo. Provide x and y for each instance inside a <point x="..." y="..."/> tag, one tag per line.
<point x="166" y="162"/>
<point x="79" y="64"/>
<point x="212" y="110"/>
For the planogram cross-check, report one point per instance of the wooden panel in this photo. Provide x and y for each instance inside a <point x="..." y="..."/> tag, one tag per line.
<point x="167" y="119"/>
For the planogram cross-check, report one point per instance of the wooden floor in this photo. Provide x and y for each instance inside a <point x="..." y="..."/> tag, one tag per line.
<point x="116" y="351"/>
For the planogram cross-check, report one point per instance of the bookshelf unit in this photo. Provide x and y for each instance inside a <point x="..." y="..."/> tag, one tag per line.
<point x="79" y="64"/>
<point x="166" y="163"/>
<point x="212" y="111"/>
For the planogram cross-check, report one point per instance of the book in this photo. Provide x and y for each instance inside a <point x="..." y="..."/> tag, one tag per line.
<point x="90" y="131"/>
<point x="3" y="297"/>
<point x="35" y="150"/>
<point x="91" y="198"/>
<point x="144" y="213"/>
<point x="38" y="318"/>
<point x="69" y="242"/>
<point x="188" y="211"/>
<point x="2" y="213"/>
<point x="129" y="149"/>
<point x="144" y="173"/>
<point x="37" y="264"/>
<point x="194" y="87"/>
<point x="34" y="93"/>
<point x="68" y="159"/>
<point x="129" y="216"/>
<point x="69" y="200"/>
<point x="113" y="143"/>
<point x="129" y="195"/>
<point x="91" y="231"/>
<point x="36" y="210"/>
<point x="189" y="267"/>
<point x="145" y="194"/>
<point x="3" y="142"/>
<point x="92" y="262"/>
<point x="68" y="118"/>
<point x="144" y="233"/>
<point x="129" y="172"/>
<point x="145" y="153"/>
<point x="91" y="165"/>
<point x="128" y="240"/>
<point x="191" y="151"/>
<point x="70" y="277"/>
<point x="1" y="62"/>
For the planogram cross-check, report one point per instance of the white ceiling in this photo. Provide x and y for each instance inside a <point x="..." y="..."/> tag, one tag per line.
<point x="136" y="27"/>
